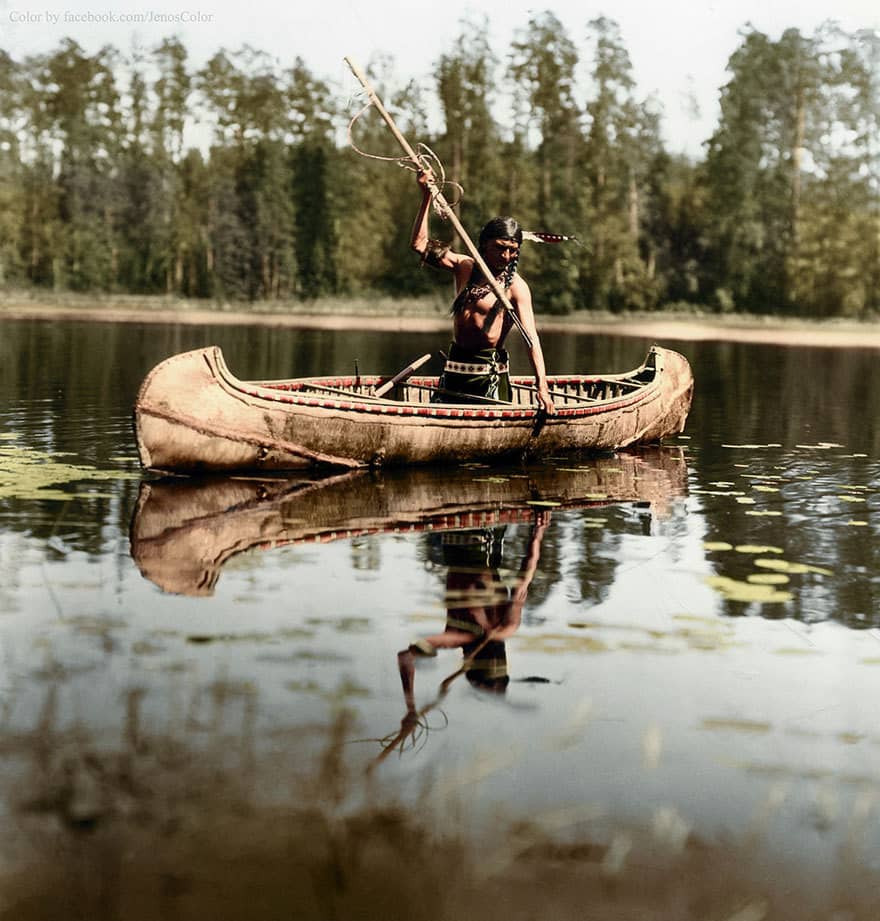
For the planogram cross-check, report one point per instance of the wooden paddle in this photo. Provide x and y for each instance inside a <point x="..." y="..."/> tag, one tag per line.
<point x="440" y="200"/>
<point x="402" y="375"/>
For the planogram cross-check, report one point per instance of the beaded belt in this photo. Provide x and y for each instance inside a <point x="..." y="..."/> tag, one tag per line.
<point x="466" y="367"/>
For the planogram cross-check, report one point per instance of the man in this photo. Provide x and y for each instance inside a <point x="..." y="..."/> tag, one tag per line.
<point x="477" y="361"/>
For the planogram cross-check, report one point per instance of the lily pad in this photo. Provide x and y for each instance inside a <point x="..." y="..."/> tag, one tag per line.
<point x="747" y="592"/>
<point x="26" y="473"/>
<point x="736" y="725"/>
<point x="768" y="578"/>
<point x="753" y="447"/>
<point x="792" y="568"/>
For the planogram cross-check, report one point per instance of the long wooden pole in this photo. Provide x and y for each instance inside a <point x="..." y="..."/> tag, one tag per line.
<point x="440" y="200"/>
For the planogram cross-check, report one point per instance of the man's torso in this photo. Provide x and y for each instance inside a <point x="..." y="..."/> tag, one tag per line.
<point x="481" y="323"/>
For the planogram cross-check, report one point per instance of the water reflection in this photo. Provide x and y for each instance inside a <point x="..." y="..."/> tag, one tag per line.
<point x="184" y="531"/>
<point x="484" y="608"/>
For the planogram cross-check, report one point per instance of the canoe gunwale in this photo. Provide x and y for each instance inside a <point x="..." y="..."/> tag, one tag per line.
<point x="286" y="392"/>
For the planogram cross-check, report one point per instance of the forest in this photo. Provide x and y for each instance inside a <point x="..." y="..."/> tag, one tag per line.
<point x="103" y="190"/>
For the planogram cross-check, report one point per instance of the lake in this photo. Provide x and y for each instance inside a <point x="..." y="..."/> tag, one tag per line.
<point x="206" y="674"/>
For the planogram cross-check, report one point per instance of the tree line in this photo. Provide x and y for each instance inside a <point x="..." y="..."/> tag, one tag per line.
<point x="102" y="191"/>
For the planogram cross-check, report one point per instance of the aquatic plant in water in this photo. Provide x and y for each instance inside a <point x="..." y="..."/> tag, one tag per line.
<point x="28" y="473"/>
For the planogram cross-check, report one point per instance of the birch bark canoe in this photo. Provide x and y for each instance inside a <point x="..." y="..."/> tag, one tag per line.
<point x="193" y="415"/>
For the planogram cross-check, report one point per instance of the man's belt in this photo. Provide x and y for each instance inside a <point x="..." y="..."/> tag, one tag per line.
<point x="474" y="368"/>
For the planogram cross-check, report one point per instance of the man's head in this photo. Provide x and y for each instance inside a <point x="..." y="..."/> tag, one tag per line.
<point x="499" y="244"/>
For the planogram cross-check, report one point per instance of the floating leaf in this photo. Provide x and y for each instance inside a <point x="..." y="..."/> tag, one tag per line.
<point x="26" y="473"/>
<point x="851" y="498"/>
<point x="747" y="592"/>
<point x="561" y="642"/>
<point x="757" y="548"/>
<point x="857" y="524"/>
<point x="786" y="566"/>
<point x="745" y="500"/>
<point x="735" y="725"/>
<point x="717" y="545"/>
<point x="768" y="578"/>
<point x="695" y="618"/>
<point x="765" y="514"/>
<point x="753" y="447"/>
<point x="759" y="488"/>
<point x="850" y="738"/>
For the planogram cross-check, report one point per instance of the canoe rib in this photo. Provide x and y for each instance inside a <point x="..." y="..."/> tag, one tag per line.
<point x="192" y="414"/>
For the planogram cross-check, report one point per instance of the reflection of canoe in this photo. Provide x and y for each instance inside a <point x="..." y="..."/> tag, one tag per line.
<point x="191" y="414"/>
<point x="183" y="531"/>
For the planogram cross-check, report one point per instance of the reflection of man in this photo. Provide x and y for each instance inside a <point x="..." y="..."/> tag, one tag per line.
<point x="481" y="610"/>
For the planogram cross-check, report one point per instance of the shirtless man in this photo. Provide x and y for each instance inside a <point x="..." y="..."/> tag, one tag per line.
<point x="477" y="362"/>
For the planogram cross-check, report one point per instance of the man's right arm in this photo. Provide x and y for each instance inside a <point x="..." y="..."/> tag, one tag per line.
<point x="419" y="240"/>
<point x="433" y="252"/>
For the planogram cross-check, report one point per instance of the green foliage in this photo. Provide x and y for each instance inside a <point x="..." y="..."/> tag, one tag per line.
<point x="99" y="190"/>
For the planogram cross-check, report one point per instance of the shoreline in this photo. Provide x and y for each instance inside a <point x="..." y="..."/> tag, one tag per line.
<point x="660" y="327"/>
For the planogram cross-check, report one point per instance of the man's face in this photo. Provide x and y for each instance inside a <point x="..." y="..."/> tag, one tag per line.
<point x="500" y="253"/>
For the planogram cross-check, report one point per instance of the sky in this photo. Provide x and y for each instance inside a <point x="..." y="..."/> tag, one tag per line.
<point x="678" y="48"/>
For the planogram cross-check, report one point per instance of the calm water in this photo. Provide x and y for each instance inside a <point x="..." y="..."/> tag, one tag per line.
<point x="693" y="634"/>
